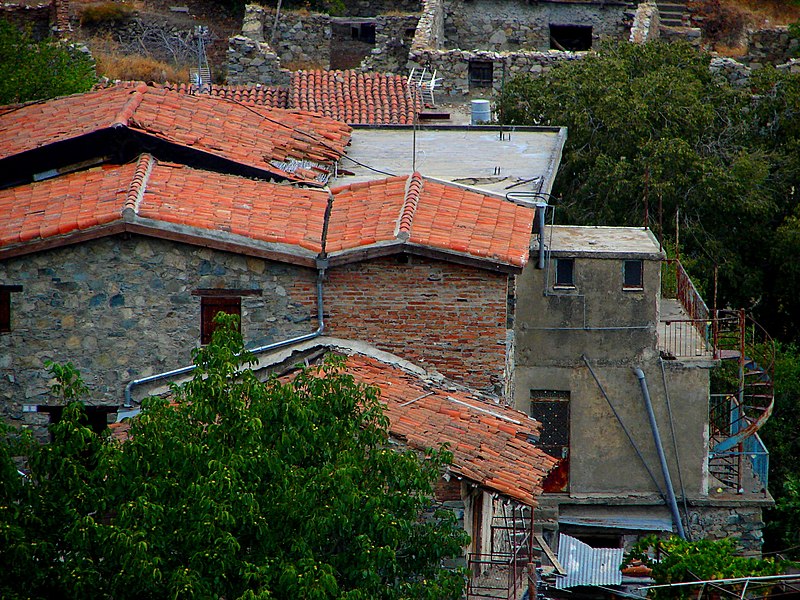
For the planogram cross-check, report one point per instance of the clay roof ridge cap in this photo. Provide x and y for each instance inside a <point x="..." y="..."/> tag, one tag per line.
<point x="138" y="186"/>
<point x="411" y="197"/>
<point x="126" y="114"/>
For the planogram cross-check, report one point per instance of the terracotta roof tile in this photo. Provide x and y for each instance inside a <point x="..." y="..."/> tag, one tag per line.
<point x="165" y="193"/>
<point x="349" y="96"/>
<point x="482" y="435"/>
<point x="395" y="210"/>
<point x="250" y="135"/>
<point x="433" y="214"/>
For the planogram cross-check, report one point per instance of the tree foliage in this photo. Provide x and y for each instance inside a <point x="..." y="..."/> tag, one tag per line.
<point x="233" y="489"/>
<point x="650" y="127"/>
<point x="31" y="70"/>
<point x="675" y="560"/>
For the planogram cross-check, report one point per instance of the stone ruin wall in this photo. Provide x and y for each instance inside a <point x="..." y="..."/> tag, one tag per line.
<point x="36" y="18"/>
<point x="392" y="44"/>
<point x="452" y="66"/>
<point x="772" y="46"/>
<point x="511" y="25"/>
<point x="646" y="24"/>
<point x="303" y="40"/>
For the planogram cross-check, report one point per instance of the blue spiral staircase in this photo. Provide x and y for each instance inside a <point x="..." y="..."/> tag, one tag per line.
<point x="741" y="403"/>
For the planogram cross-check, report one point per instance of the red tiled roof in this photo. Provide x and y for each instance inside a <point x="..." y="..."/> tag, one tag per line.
<point x="253" y="136"/>
<point x="164" y="193"/>
<point x="354" y="97"/>
<point x="429" y="213"/>
<point x="271" y="96"/>
<point x="489" y="442"/>
<point x="349" y="96"/>
<point x="399" y="210"/>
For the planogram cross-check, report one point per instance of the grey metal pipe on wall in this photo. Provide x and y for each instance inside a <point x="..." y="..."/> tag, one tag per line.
<point x="671" y="500"/>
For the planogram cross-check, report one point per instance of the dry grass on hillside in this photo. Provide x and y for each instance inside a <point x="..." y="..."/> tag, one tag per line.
<point x="770" y="12"/>
<point x="132" y="67"/>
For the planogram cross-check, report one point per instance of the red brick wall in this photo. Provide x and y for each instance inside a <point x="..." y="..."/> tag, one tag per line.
<point x="433" y="313"/>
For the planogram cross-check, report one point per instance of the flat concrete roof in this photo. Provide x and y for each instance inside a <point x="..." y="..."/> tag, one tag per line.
<point x="601" y="242"/>
<point x="487" y="159"/>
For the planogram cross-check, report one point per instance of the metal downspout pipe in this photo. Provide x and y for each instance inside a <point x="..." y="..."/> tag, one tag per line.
<point x="671" y="500"/>
<point x="541" y="208"/>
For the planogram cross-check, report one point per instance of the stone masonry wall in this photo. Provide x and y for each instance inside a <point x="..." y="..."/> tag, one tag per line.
<point x="509" y="25"/>
<point x="36" y="18"/>
<point x="430" y="29"/>
<point x="393" y="37"/>
<point x="441" y="315"/>
<point x="741" y="522"/>
<point x="646" y="23"/>
<point x="770" y="47"/>
<point x="301" y="38"/>
<point x="453" y="66"/>
<point x="372" y="8"/>
<point x="251" y="61"/>
<point x="120" y="309"/>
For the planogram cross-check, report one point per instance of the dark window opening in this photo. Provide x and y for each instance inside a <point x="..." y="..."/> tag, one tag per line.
<point x="565" y="272"/>
<point x="95" y="417"/>
<point x="481" y="73"/>
<point x="632" y="275"/>
<point x="571" y="37"/>
<point x="210" y="307"/>
<point x="551" y="409"/>
<point x="5" y="306"/>
<point x="363" y="32"/>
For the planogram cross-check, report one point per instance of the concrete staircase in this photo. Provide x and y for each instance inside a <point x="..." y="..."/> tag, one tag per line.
<point x="672" y="12"/>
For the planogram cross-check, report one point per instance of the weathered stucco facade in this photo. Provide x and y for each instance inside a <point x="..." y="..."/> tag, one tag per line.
<point x="581" y="330"/>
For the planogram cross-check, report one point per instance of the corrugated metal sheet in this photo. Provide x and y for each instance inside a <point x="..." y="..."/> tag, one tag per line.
<point x="586" y="565"/>
<point x="617" y="522"/>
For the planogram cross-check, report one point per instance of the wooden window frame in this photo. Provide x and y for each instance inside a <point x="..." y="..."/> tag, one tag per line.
<point x="214" y="301"/>
<point x="481" y="74"/>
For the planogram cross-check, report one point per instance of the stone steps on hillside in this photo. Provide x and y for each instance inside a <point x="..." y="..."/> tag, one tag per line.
<point x="672" y="14"/>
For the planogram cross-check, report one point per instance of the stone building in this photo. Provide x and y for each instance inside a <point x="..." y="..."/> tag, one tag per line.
<point x="132" y="215"/>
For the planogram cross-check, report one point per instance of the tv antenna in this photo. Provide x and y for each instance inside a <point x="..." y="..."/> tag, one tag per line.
<point x="200" y="76"/>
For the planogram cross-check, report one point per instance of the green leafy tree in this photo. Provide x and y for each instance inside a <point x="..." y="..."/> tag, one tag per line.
<point x="780" y="436"/>
<point x="650" y="126"/>
<point x="234" y="488"/>
<point x="37" y="70"/>
<point x="674" y="560"/>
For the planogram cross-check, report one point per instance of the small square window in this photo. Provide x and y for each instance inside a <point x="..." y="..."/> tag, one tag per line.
<point x="632" y="275"/>
<point x="565" y="272"/>
<point x="481" y="73"/>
